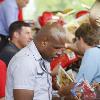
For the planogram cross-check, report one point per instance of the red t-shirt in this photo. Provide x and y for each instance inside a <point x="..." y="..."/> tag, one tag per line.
<point x="1" y="1"/>
<point x="2" y="78"/>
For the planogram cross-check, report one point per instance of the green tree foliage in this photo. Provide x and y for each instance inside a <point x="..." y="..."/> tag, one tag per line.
<point x="58" y="5"/>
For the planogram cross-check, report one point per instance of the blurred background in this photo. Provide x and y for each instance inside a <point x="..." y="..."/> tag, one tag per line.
<point x="36" y="7"/>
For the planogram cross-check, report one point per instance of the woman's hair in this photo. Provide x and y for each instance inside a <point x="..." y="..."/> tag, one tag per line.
<point x="90" y="35"/>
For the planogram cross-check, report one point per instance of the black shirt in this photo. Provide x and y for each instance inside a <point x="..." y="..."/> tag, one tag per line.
<point x="8" y="52"/>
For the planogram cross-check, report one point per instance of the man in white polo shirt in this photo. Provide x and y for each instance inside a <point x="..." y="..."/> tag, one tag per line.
<point x="25" y="75"/>
<point x="29" y="75"/>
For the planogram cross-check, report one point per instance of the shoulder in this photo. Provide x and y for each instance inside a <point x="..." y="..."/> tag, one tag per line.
<point x="7" y="53"/>
<point x="92" y="52"/>
<point x="22" y="60"/>
<point x="7" y="4"/>
<point x="91" y="56"/>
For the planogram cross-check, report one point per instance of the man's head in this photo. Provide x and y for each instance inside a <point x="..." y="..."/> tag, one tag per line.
<point x="20" y="33"/>
<point x="22" y="3"/>
<point x="86" y="36"/>
<point x="50" y="39"/>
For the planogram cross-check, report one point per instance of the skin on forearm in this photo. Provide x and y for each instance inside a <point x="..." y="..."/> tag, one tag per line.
<point x="3" y="98"/>
<point x="23" y="94"/>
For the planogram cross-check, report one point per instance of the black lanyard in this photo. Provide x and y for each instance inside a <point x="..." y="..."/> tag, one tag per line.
<point x="42" y="63"/>
<point x="43" y="66"/>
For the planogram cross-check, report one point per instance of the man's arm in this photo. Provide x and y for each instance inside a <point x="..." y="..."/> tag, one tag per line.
<point x="23" y="94"/>
<point x="24" y="79"/>
<point x="3" y="98"/>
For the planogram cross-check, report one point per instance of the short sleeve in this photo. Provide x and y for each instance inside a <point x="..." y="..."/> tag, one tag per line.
<point x="24" y="74"/>
<point x="89" y="67"/>
<point x="2" y="78"/>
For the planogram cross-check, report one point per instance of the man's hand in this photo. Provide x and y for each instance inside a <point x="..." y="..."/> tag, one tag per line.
<point x="55" y="70"/>
<point x="65" y="90"/>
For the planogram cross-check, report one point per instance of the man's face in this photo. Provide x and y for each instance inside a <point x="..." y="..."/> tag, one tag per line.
<point x="22" y="3"/>
<point x="24" y="36"/>
<point x="80" y="45"/>
<point x="50" y="40"/>
<point x="48" y="46"/>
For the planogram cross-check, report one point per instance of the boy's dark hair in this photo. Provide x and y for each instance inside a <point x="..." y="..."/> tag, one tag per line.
<point x="16" y="26"/>
<point x="90" y="35"/>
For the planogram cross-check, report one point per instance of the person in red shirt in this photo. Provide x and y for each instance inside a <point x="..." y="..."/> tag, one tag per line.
<point x="1" y="1"/>
<point x="2" y="79"/>
<point x="20" y="36"/>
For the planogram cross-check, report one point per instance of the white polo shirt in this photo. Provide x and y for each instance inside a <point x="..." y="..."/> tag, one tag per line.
<point x="25" y="72"/>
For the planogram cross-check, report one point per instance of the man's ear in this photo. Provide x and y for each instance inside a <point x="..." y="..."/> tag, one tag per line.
<point x="81" y="39"/>
<point x="99" y="41"/>
<point x="44" y="44"/>
<point x="16" y="35"/>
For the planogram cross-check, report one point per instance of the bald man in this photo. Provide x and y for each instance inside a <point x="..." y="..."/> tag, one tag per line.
<point x="31" y="79"/>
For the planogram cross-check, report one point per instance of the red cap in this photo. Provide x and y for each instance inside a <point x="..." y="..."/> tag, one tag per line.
<point x="46" y="16"/>
<point x="81" y="13"/>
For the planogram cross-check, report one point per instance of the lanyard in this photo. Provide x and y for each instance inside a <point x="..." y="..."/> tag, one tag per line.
<point x="43" y="66"/>
<point x="41" y="63"/>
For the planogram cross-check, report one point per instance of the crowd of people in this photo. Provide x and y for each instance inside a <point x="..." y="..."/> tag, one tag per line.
<point x="25" y="71"/>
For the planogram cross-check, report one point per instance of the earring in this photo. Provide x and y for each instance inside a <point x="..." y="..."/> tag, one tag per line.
<point x="44" y="44"/>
